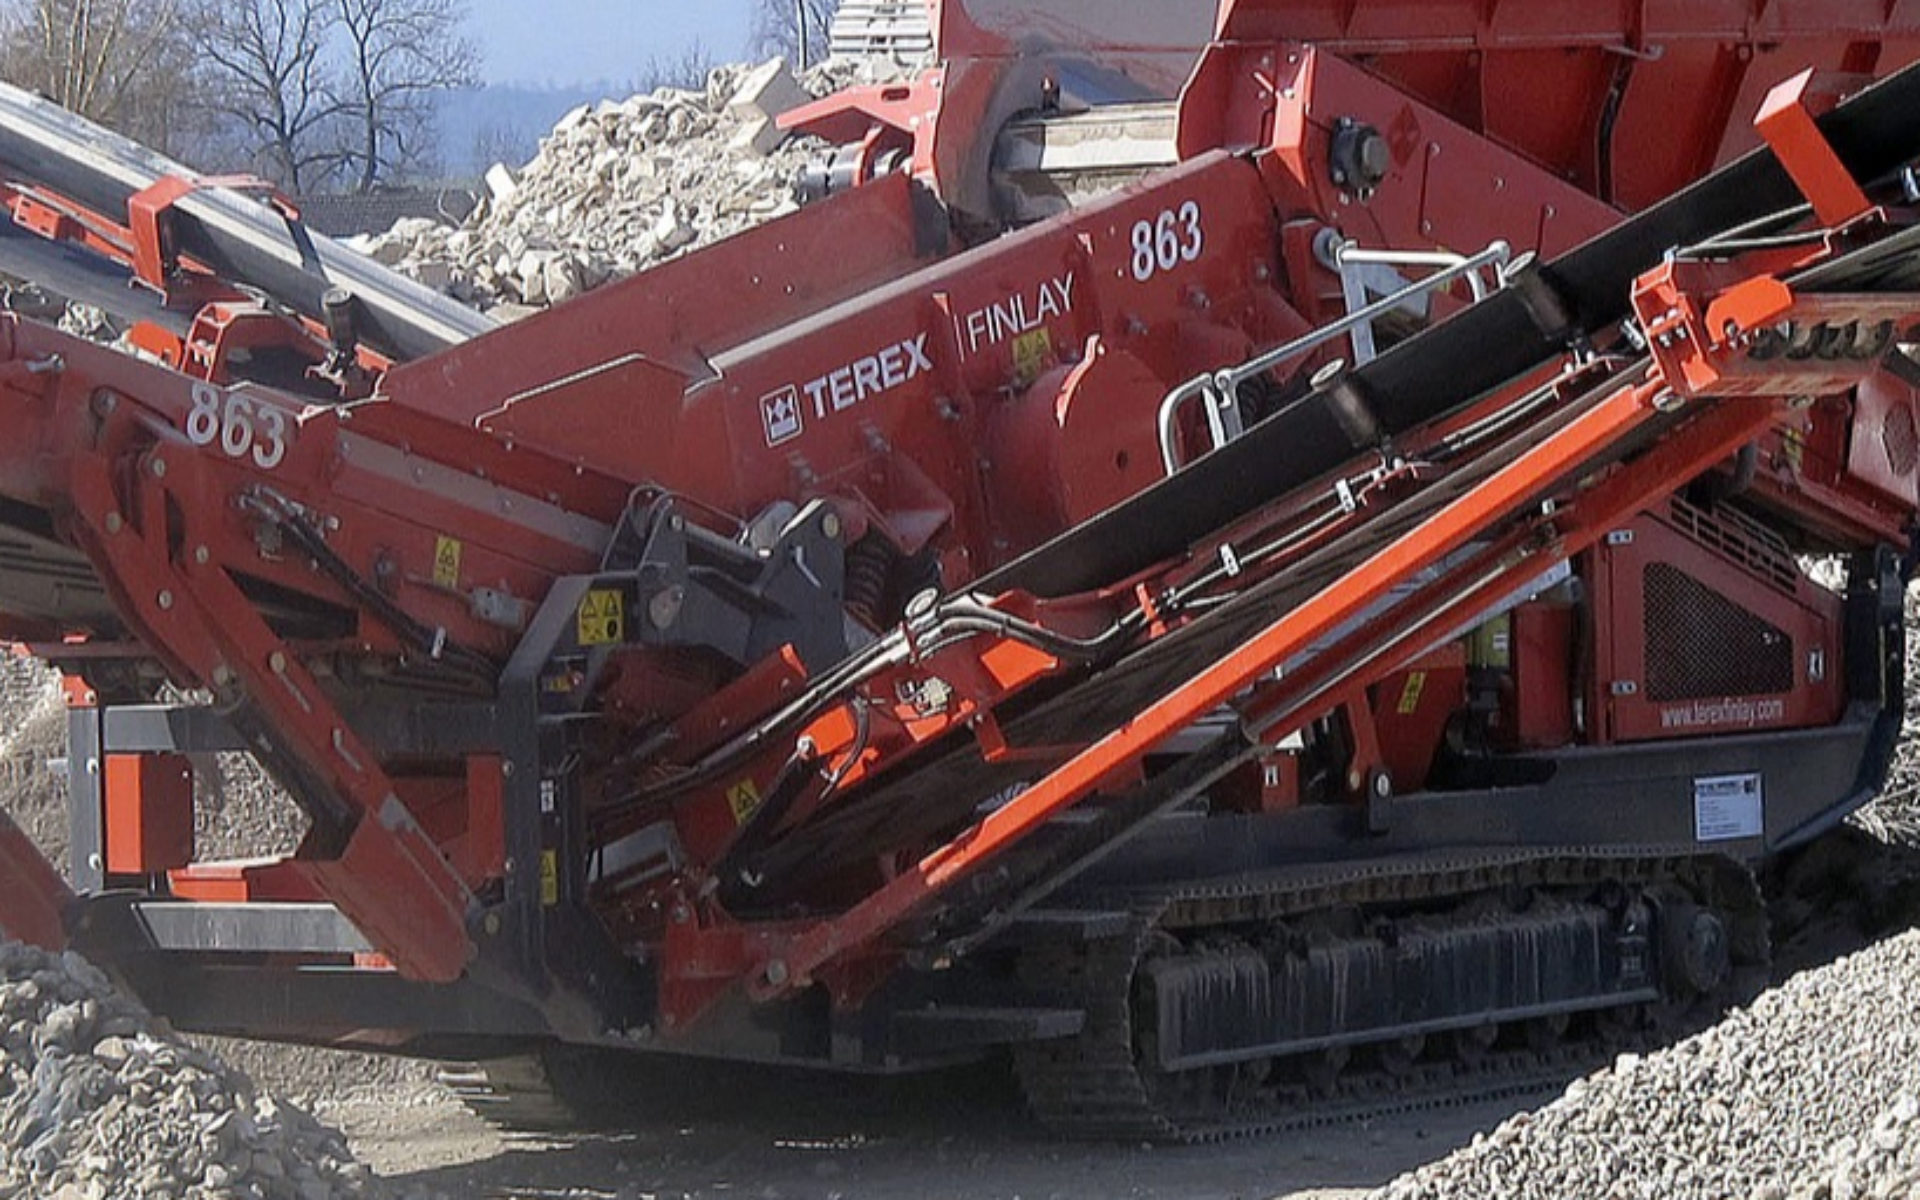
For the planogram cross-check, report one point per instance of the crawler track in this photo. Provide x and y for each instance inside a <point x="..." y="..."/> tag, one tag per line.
<point x="1104" y="1084"/>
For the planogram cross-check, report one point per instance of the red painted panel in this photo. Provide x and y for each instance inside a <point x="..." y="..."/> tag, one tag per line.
<point x="1541" y="708"/>
<point x="1806" y="617"/>
<point x="149" y="813"/>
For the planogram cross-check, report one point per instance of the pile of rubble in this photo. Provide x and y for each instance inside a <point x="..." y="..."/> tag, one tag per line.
<point x="99" y="1102"/>
<point x="1895" y="815"/>
<point x="618" y="187"/>
<point x="1812" y="1093"/>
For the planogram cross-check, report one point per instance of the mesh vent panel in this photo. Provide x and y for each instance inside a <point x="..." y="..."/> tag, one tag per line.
<point x="1901" y="440"/>
<point x="1702" y="645"/>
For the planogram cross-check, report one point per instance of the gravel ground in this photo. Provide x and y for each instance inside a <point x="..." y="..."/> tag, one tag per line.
<point x="1810" y="1092"/>
<point x="98" y="1101"/>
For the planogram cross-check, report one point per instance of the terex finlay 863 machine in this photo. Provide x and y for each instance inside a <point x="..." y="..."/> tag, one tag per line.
<point x="1325" y="615"/>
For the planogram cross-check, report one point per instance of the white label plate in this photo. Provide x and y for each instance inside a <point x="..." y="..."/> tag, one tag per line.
<point x="1727" y="808"/>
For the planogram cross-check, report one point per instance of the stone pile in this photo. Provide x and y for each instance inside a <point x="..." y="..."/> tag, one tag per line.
<point x="1895" y="815"/>
<point x="1883" y="1164"/>
<point x="1812" y="1093"/>
<point x="620" y="186"/>
<point x="99" y="1102"/>
<point x="33" y="735"/>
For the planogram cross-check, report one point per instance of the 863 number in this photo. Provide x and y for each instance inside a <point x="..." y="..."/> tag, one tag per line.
<point x="243" y="427"/>
<point x="1164" y="243"/>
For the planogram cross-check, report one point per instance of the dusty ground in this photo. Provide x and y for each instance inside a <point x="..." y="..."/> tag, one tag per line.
<point x="962" y="1135"/>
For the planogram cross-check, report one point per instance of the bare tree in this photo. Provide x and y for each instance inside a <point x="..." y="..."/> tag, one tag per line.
<point x="778" y="28"/>
<point x="399" y="53"/>
<point x="128" y="64"/>
<point x="504" y="141"/>
<point x="272" y="78"/>
<point x="687" y="70"/>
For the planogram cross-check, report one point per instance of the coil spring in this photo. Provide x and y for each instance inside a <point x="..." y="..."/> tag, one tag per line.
<point x="869" y="570"/>
<point x="1824" y="342"/>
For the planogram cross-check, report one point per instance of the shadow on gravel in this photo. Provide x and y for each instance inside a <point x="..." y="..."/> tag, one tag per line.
<point x="961" y="1133"/>
<point x="1839" y="895"/>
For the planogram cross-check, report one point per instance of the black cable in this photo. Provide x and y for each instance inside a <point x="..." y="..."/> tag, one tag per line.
<point x="430" y="641"/>
<point x="1752" y="231"/>
<point x="952" y="622"/>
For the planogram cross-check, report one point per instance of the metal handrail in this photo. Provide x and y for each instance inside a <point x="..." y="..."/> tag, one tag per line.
<point x="1349" y="252"/>
<point x="1221" y="389"/>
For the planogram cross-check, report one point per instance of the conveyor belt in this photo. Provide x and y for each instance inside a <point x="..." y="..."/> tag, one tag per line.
<point x="66" y="271"/>
<point x="244" y="241"/>
<point x="1492" y="343"/>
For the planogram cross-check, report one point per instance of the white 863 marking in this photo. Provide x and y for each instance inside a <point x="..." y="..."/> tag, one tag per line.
<point x="243" y="428"/>
<point x="1162" y="244"/>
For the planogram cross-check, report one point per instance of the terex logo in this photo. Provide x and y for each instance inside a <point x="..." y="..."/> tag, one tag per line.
<point x="873" y="375"/>
<point x="837" y="391"/>
<point x="780" y="412"/>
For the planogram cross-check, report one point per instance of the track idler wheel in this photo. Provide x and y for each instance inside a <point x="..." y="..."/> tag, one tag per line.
<point x="1696" y="955"/>
<point x="1400" y="1056"/>
<point x="1321" y="1071"/>
<point x="1471" y="1045"/>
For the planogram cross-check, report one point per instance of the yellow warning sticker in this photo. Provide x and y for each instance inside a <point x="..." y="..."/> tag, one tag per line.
<point x="549" y="878"/>
<point x="744" y="798"/>
<point x="1794" y="443"/>
<point x="1030" y="353"/>
<point x="446" y="562"/>
<point x="1410" y="695"/>
<point x="603" y="618"/>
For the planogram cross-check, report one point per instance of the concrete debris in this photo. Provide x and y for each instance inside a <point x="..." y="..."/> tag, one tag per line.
<point x="1809" y="1093"/>
<point x="766" y="92"/>
<point x="99" y="1100"/>
<point x="622" y="185"/>
<point x="86" y="321"/>
<point x="501" y="183"/>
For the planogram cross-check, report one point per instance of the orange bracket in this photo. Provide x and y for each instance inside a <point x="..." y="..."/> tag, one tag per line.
<point x="153" y="258"/>
<point x="1787" y="124"/>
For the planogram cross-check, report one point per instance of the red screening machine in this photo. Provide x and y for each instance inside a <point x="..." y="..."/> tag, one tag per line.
<point x="1332" y="613"/>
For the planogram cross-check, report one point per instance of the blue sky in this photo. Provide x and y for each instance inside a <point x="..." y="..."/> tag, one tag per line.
<point x="569" y="41"/>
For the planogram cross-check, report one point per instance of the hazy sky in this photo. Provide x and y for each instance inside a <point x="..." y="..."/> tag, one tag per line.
<point x="568" y="41"/>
